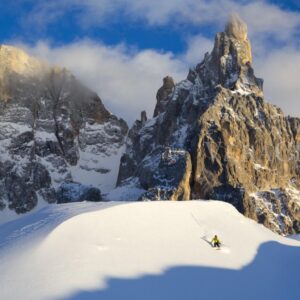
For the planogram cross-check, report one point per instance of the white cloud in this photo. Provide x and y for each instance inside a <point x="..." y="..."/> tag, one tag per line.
<point x="261" y="16"/>
<point x="267" y="19"/>
<point x="281" y="72"/>
<point x="197" y="46"/>
<point x="126" y="80"/>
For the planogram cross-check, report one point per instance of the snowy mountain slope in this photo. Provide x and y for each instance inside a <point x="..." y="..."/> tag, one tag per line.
<point x="144" y="250"/>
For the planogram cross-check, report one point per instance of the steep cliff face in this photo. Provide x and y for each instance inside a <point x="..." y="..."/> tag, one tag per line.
<point x="242" y="149"/>
<point x="55" y="135"/>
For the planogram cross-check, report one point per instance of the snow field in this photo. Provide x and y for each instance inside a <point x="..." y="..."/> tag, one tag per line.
<point x="75" y="254"/>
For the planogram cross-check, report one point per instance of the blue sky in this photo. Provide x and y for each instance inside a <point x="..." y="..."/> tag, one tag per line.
<point x="21" y="23"/>
<point x="66" y="21"/>
<point x="123" y="48"/>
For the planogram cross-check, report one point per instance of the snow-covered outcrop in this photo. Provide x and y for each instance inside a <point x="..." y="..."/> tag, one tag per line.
<point x="53" y="131"/>
<point x="242" y="148"/>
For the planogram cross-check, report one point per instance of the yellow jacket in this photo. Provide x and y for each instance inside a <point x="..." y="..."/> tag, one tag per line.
<point x="215" y="240"/>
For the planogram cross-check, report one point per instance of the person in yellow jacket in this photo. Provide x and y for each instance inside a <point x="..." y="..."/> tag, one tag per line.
<point x="216" y="242"/>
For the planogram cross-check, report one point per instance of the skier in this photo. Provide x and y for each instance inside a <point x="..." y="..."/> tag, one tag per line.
<point x="216" y="242"/>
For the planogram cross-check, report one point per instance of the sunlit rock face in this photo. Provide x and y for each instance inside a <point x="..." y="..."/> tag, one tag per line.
<point x="16" y="60"/>
<point x="242" y="149"/>
<point x="53" y="131"/>
<point x="237" y="30"/>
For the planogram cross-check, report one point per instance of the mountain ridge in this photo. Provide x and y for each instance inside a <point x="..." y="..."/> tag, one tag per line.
<point x="214" y="137"/>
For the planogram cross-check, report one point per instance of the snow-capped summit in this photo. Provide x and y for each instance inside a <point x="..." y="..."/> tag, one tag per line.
<point x="214" y="137"/>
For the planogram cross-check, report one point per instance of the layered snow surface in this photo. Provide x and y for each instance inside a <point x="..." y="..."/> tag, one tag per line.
<point x="144" y="250"/>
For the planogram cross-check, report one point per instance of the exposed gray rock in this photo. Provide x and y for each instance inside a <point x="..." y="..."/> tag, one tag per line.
<point x="163" y="94"/>
<point x="21" y="183"/>
<point x="168" y="171"/>
<point x="144" y="117"/>
<point x="76" y="192"/>
<point x="48" y="194"/>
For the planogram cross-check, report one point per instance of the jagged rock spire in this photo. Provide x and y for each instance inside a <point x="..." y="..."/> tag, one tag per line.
<point x="236" y="29"/>
<point x="162" y="95"/>
<point x="144" y="117"/>
<point x="230" y="62"/>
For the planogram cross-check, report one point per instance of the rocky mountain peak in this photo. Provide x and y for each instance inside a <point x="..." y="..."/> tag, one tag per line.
<point x="237" y="31"/>
<point x="214" y="137"/>
<point x="230" y="62"/>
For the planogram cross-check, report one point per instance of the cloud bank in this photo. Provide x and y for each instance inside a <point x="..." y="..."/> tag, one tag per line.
<point x="281" y="72"/>
<point x="127" y="79"/>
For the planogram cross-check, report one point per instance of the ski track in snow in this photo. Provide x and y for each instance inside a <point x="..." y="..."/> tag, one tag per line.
<point x="144" y="251"/>
<point x="41" y="222"/>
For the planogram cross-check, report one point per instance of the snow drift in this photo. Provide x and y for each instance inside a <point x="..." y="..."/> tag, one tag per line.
<point x="144" y="250"/>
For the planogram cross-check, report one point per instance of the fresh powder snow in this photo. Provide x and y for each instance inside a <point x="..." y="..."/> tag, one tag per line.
<point x="144" y="250"/>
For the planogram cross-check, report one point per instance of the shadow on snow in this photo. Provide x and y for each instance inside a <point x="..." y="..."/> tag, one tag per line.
<point x="273" y="274"/>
